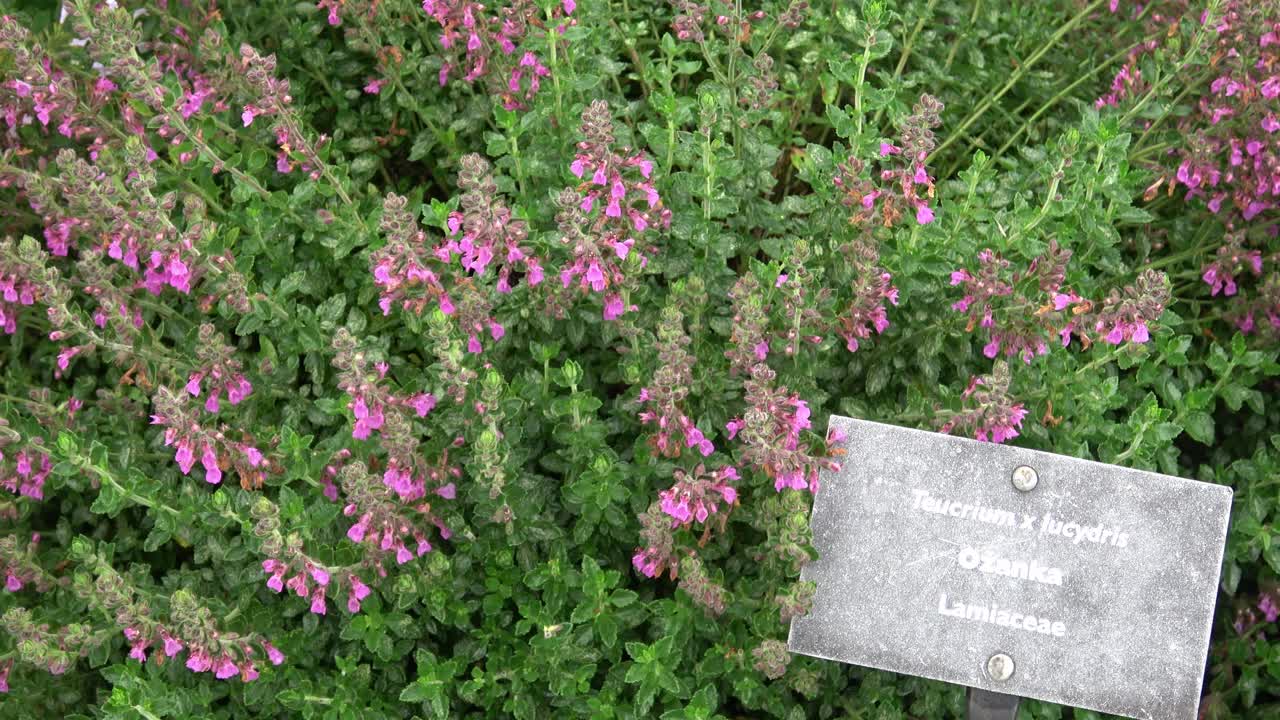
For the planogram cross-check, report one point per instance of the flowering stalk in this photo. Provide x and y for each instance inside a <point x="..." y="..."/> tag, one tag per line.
<point x="481" y="43"/>
<point x="1021" y="310"/>
<point x="190" y="626"/>
<point x="307" y="577"/>
<point x="770" y="430"/>
<point x="192" y="441"/>
<point x="663" y="397"/>
<point x="988" y="412"/>
<point x="604" y="221"/>
<point x="384" y="523"/>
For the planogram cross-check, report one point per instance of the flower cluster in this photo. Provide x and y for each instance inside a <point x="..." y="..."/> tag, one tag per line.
<point x="53" y="650"/>
<point x="692" y="21"/>
<point x="190" y="625"/>
<point x="1020" y="310"/>
<point x="612" y="175"/>
<point x="1232" y="156"/>
<point x="658" y="550"/>
<point x="1125" y="314"/>
<point x="485" y="232"/>
<point x="306" y="577"/>
<point x="191" y="441"/>
<point x="361" y="377"/>
<point x="805" y="301"/>
<point x="472" y="31"/>
<point x="36" y="91"/>
<point x="796" y="602"/>
<point x="904" y="184"/>
<point x="30" y="468"/>
<point x="133" y="226"/>
<point x="988" y="412"/>
<point x="384" y="523"/>
<point x="403" y="267"/>
<point x="748" y="344"/>
<point x="662" y="398"/>
<point x="705" y="592"/>
<point x="603" y="221"/>
<point x="20" y="566"/>
<point x="220" y="372"/>
<point x="1262" y="312"/>
<point x="870" y="286"/>
<point x="270" y="98"/>
<point x="16" y="292"/>
<point x="697" y="494"/>
<point x="772" y="658"/>
<point x="770" y="433"/>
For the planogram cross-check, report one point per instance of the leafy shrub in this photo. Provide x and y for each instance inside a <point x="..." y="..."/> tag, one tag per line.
<point x="375" y="358"/>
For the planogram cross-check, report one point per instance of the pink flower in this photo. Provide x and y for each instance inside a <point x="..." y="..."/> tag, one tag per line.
<point x="924" y="214"/>
<point x="733" y="426"/>
<point x="423" y="403"/>
<point x="317" y="602"/>
<point x="199" y="661"/>
<point x="374" y="86"/>
<point x="172" y="646"/>
<point x="613" y="307"/>
<point x="226" y="668"/>
<point x="247" y="116"/>
<point x="319" y="574"/>
<point x="273" y="654"/>
<point x="209" y="459"/>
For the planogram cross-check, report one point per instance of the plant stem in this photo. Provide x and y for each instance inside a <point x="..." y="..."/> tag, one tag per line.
<point x="1022" y="69"/>
<point x="925" y="15"/>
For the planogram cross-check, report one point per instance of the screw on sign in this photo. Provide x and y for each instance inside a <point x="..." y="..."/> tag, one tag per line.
<point x="1005" y="569"/>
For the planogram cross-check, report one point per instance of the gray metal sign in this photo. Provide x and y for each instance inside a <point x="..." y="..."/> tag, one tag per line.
<point x="1015" y="571"/>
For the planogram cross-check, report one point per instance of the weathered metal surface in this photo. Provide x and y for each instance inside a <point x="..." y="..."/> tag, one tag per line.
<point x="1098" y="582"/>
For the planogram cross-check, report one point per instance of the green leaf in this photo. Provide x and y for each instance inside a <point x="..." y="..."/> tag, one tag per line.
<point x="1199" y="426"/>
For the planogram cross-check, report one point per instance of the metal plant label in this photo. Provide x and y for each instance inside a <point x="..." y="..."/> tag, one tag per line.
<point x="1015" y="571"/>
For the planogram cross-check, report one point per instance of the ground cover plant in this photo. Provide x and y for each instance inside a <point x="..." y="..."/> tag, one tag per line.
<point x="393" y="359"/>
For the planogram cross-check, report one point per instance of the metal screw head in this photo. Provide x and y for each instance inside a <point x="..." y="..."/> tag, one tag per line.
<point x="1000" y="667"/>
<point x="1025" y="478"/>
